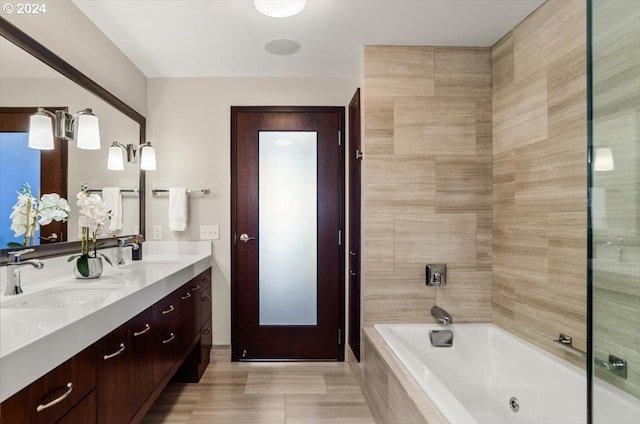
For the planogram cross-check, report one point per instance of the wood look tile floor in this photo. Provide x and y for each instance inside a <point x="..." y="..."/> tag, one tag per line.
<point x="265" y="393"/>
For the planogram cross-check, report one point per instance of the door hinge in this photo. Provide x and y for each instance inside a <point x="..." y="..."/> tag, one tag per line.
<point x="339" y="237"/>
<point x="339" y="336"/>
<point x="235" y="238"/>
<point x="339" y="138"/>
<point x="359" y="155"/>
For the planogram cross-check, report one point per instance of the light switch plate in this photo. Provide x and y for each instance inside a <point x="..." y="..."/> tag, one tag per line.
<point x="209" y="232"/>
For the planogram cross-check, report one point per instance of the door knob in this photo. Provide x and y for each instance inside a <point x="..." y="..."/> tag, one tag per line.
<point x="245" y="238"/>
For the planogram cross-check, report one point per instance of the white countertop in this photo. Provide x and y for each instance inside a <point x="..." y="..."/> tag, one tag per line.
<point x="36" y="340"/>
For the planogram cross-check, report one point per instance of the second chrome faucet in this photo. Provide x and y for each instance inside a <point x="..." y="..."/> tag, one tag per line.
<point x="122" y="244"/>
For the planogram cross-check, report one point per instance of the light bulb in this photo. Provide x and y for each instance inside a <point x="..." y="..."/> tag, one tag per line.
<point x="148" y="158"/>
<point x="279" y="8"/>
<point x="40" y="132"/>
<point x="88" y="131"/>
<point x="115" y="161"/>
<point x="604" y="159"/>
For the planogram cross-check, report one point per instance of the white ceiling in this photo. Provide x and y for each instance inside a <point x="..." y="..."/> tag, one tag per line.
<point x="221" y="38"/>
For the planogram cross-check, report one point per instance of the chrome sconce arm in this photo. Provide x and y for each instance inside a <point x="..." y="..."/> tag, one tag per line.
<point x="115" y="160"/>
<point x="82" y="127"/>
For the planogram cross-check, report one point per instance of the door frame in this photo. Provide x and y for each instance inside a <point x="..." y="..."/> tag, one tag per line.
<point x="355" y="156"/>
<point x="235" y="353"/>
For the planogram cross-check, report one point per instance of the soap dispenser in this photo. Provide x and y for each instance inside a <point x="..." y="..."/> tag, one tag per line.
<point x="136" y="254"/>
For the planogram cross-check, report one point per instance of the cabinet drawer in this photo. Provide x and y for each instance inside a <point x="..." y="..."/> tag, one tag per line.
<point x="166" y="309"/>
<point x="167" y="349"/>
<point x="82" y="413"/>
<point x="204" y="307"/>
<point x="50" y="397"/>
<point x="201" y="282"/>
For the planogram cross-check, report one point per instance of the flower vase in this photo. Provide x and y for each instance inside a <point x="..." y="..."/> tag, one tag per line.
<point x="94" y="266"/>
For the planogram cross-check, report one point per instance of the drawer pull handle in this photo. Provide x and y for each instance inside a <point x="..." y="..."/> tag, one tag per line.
<point x="57" y="400"/>
<point x="206" y="330"/>
<point x="205" y="298"/>
<point x="196" y="287"/>
<point x="168" y="310"/>
<point x="147" y="327"/>
<point x="173" y="336"/>
<point x="114" y="354"/>
<point x="186" y="296"/>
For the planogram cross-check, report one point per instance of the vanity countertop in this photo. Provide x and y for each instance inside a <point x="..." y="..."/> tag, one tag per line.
<point x="34" y="340"/>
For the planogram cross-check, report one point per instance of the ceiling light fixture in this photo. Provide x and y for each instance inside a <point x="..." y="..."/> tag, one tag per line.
<point x="282" y="46"/>
<point x="115" y="160"/>
<point x="279" y="8"/>
<point x="82" y="127"/>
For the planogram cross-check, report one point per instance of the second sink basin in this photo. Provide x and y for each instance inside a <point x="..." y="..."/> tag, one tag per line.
<point x="62" y="297"/>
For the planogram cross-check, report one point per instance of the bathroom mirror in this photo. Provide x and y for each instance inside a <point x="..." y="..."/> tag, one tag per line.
<point x="33" y="76"/>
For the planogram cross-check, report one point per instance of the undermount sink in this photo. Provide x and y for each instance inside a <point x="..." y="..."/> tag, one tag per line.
<point x="61" y="297"/>
<point x="149" y="263"/>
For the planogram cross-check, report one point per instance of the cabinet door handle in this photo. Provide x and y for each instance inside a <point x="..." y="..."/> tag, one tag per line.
<point x="196" y="287"/>
<point x="206" y="330"/>
<point x="65" y="395"/>
<point x="186" y="296"/>
<point x="173" y="336"/>
<point x="116" y="353"/>
<point x="205" y="298"/>
<point x="168" y="310"/>
<point x="147" y="327"/>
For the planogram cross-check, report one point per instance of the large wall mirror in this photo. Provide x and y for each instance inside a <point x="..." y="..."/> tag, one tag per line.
<point x="32" y="76"/>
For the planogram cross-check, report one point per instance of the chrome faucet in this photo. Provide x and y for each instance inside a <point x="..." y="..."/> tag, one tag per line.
<point x="13" y="270"/>
<point x="122" y="244"/>
<point x="441" y="315"/>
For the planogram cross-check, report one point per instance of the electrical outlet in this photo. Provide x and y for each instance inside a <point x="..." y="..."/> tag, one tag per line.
<point x="209" y="232"/>
<point x="157" y="232"/>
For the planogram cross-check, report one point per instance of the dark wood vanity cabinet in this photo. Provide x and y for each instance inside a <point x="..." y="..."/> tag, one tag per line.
<point x="48" y="399"/>
<point x="117" y="379"/>
<point x="142" y="336"/>
<point x="112" y="386"/>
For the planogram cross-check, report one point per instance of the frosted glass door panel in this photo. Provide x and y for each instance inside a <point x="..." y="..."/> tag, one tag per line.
<point x="288" y="221"/>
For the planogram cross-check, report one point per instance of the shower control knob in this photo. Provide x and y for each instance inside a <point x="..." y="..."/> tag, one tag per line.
<point x="245" y="238"/>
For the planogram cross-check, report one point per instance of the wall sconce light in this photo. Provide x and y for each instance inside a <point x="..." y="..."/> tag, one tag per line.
<point x="279" y="8"/>
<point x="115" y="161"/>
<point x="82" y="127"/>
<point x="604" y="159"/>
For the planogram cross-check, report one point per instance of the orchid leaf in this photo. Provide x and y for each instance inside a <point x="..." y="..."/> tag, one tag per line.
<point x="106" y="258"/>
<point x="83" y="265"/>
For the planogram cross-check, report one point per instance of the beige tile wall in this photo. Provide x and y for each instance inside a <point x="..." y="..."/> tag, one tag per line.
<point x="487" y="174"/>
<point x="427" y="182"/>
<point x="539" y="176"/>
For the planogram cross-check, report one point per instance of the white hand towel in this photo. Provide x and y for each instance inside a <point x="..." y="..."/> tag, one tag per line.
<point x="112" y="199"/>
<point x="178" y="209"/>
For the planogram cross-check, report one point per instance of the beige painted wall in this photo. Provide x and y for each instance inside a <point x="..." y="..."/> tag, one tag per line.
<point x="189" y="123"/>
<point x="426" y="182"/>
<point x="539" y="177"/>
<point x="66" y="31"/>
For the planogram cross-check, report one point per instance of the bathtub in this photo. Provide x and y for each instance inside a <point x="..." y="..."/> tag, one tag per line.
<point x="489" y="371"/>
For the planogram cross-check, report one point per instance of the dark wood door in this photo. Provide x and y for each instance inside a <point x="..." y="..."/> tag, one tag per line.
<point x="254" y="335"/>
<point x="355" y="158"/>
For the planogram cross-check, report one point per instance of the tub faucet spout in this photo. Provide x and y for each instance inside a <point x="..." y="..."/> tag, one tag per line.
<point x="441" y="315"/>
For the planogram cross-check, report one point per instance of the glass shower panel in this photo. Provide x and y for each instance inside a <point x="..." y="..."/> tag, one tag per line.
<point x="615" y="203"/>
<point x="288" y="221"/>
